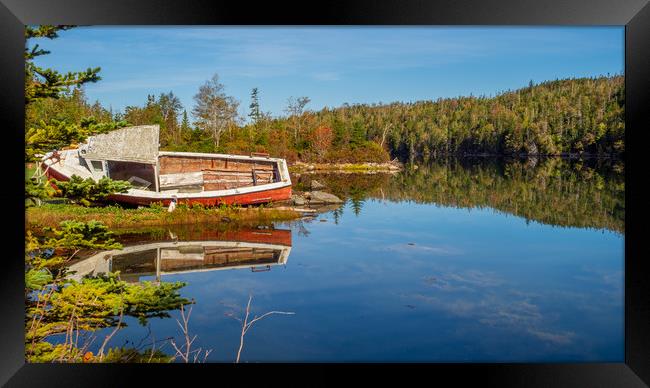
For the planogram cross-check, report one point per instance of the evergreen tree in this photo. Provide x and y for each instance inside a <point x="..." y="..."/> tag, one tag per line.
<point x="48" y="83"/>
<point x="255" y="113"/>
<point x="57" y="113"/>
<point x="358" y="135"/>
<point x="185" y="123"/>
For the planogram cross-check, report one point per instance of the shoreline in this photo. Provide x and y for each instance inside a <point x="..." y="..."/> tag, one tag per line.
<point x="49" y="215"/>
<point x="397" y="166"/>
<point x="303" y="167"/>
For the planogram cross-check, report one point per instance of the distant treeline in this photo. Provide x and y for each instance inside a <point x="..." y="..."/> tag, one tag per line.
<point x="557" y="117"/>
<point x="572" y="116"/>
<point x="572" y="193"/>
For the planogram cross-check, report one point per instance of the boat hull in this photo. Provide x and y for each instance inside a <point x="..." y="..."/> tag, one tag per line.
<point x="264" y="195"/>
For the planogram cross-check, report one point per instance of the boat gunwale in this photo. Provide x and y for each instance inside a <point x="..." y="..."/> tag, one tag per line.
<point x="219" y="156"/>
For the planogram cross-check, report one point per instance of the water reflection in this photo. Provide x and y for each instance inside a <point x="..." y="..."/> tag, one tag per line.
<point x="586" y="193"/>
<point x="256" y="249"/>
<point x="416" y="266"/>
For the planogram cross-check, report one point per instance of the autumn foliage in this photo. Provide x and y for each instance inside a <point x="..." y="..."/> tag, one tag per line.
<point x="321" y="140"/>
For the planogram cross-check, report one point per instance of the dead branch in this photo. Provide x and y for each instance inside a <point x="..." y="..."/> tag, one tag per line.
<point x="108" y="337"/>
<point x="383" y="135"/>
<point x="246" y="325"/>
<point x="184" y="352"/>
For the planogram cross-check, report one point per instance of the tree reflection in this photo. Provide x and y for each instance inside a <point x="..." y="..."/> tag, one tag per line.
<point x="577" y="193"/>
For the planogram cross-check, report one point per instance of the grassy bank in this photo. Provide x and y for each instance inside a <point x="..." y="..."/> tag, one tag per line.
<point x="118" y="217"/>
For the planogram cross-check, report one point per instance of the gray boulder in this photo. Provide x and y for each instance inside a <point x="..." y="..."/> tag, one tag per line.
<point x="298" y="200"/>
<point x="316" y="185"/>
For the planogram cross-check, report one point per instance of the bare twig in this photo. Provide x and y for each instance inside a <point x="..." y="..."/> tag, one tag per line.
<point x="70" y="331"/>
<point x="207" y="353"/>
<point x="72" y="255"/>
<point x="36" y="323"/>
<point x="154" y="342"/>
<point x="184" y="352"/>
<point x="76" y="339"/>
<point x="246" y="325"/>
<point x="87" y="344"/>
<point x="108" y="337"/>
<point x="145" y="337"/>
<point x="153" y="347"/>
<point x="383" y="135"/>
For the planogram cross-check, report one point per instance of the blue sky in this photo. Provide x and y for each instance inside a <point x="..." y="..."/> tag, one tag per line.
<point x="331" y="65"/>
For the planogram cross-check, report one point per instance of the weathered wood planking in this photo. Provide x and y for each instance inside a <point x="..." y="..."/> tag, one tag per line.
<point x="221" y="258"/>
<point x="238" y="178"/>
<point x="213" y="173"/>
<point x="215" y="256"/>
<point x="175" y="164"/>
<point x="246" y="174"/>
<point x="213" y="180"/>
<point x="242" y="170"/>
<point x="176" y="255"/>
<point x="183" y="179"/>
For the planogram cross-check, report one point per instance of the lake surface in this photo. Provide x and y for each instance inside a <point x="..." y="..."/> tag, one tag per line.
<point x="462" y="261"/>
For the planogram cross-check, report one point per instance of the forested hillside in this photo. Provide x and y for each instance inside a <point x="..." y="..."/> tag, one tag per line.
<point x="567" y="116"/>
<point x="577" y="116"/>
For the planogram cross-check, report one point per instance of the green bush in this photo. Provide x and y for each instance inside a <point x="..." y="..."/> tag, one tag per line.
<point x="87" y="192"/>
<point x="37" y="190"/>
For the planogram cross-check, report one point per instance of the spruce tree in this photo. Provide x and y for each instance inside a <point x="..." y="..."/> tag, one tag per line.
<point x="186" y="130"/>
<point x="185" y="123"/>
<point x="255" y="113"/>
<point x="48" y="83"/>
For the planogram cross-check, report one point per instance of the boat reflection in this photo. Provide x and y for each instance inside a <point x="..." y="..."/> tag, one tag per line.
<point x="254" y="249"/>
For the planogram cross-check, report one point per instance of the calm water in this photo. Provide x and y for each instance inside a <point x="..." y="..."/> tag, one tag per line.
<point x="461" y="262"/>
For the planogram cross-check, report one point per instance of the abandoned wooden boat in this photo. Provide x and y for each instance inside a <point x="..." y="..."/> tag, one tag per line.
<point x="257" y="250"/>
<point x="132" y="154"/>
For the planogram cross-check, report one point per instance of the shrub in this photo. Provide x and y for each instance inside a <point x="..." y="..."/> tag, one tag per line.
<point x="88" y="191"/>
<point x="367" y="152"/>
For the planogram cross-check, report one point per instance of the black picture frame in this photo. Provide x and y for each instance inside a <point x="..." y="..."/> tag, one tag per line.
<point x="633" y="14"/>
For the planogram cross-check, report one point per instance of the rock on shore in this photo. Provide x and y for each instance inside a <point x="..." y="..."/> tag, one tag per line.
<point x="316" y="185"/>
<point x="298" y="200"/>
